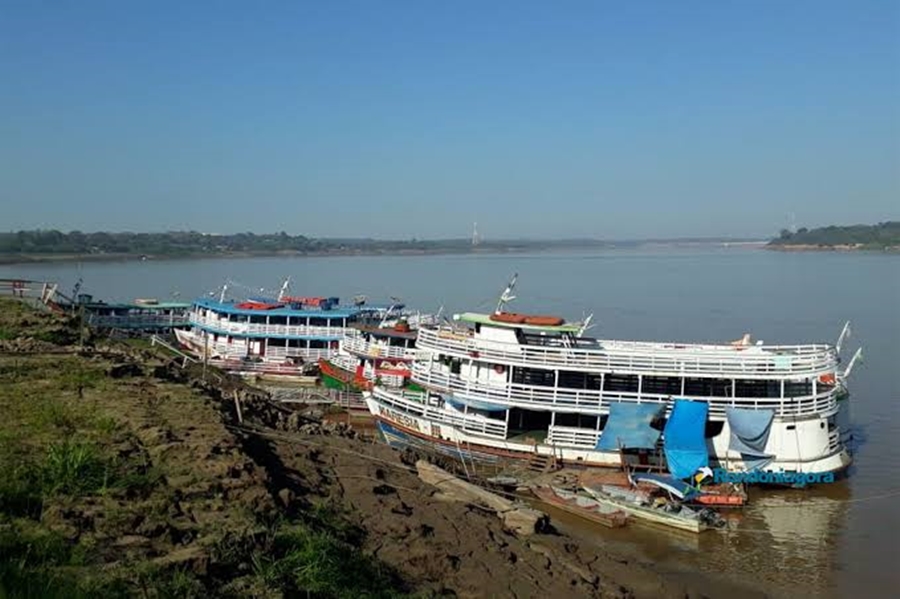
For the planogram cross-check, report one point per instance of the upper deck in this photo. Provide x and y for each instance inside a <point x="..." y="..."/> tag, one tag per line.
<point x="562" y="352"/>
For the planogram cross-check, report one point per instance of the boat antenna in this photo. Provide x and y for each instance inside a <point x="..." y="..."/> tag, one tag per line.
<point x="387" y="313"/>
<point x="507" y="296"/>
<point x="284" y="289"/>
<point x="845" y="334"/>
<point x="222" y="294"/>
<point x="586" y="325"/>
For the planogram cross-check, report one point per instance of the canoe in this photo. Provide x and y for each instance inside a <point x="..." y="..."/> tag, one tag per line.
<point x="508" y="317"/>
<point x="581" y="506"/>
<point x="545" y="321"/>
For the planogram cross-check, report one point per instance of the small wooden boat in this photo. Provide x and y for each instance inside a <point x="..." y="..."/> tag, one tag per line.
<point x="582" y="506"/>
<point x="671" y="514"/>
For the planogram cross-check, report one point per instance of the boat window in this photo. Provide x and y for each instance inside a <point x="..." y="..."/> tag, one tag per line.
<point x="588" y="421"/>
<point x="797" y="389"/>
<point x="317" y="344"/>
<point x="533" y="376"/>
<point x="627" y="383"/>
<point x="318" y="321"/>
<point x="257" y="319"/>
<point x="697" y="387"/>
<point x="791" y="427"/>
<point x="282" y="320"/>
<point x="455" y="366"/>
<point x="661" y="385"/>
<point x="276" y="342"/>
<point x="756" y="388"/>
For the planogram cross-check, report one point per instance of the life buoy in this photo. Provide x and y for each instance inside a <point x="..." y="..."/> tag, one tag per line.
<point x="499" y="369"/>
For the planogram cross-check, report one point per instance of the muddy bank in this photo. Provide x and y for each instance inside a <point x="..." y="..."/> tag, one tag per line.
<point x="129" y="475"/>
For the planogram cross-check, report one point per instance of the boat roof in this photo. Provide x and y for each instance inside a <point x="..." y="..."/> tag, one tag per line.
<point x="485" y="319"/>
<point x="336" y="312"/>
<point x="139" y="306"/>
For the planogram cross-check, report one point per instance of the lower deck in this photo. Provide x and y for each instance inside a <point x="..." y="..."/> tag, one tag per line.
<point x="796" y="445"/>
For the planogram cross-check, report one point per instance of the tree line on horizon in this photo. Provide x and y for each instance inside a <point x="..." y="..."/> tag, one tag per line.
<point x="879" y="236"/>
<point x="175" y="243"/>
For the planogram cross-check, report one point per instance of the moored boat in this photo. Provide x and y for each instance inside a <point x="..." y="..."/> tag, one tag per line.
<point x="581" y="505"/>
<point x="655" y="510"/>
<point x="511" y="386"/>
<point x="281" y="337"/>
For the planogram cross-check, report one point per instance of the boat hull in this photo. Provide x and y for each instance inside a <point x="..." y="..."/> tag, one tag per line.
<point x="428" y="430"/>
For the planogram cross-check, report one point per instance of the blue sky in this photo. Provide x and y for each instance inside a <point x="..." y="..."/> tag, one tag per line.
<point x="414" y="119"/>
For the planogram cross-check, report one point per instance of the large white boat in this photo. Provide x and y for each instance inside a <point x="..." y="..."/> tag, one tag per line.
<point x="512" y="386"/>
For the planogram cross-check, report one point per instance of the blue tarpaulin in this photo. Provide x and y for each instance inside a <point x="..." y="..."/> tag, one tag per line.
<point x="749" y="434"/>
<point x="684" y="440"/>
<point x="629" y="427"/>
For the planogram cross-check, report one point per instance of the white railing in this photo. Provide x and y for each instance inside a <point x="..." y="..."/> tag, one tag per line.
<point x="416" y="404"/>
<point x="591" y="401"/>
<point x="645" y="358"/>
<point x="356" y="344"/>
<point x="137" y="320"/>
<point x="569" y="436"/>
<point x="244" y="328"/>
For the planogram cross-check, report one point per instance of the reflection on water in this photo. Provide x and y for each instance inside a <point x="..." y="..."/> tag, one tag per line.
<point x="782" y="543"/>
<point x="832" y="540"/>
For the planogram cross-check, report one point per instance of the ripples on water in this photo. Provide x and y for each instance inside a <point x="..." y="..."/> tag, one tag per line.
<point x="832" y="540"/>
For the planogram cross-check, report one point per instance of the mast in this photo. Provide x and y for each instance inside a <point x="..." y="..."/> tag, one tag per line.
<point x="507" y="296"/>
<point x="284" y="289"/>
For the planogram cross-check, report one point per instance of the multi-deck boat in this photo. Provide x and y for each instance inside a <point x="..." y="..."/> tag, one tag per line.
<point x="507" y="386"/>
<point x="375" y="354"/>
<point x="282" y="337"/>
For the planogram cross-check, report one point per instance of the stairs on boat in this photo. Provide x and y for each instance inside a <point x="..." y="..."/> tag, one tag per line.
<point x="542" y="463"/>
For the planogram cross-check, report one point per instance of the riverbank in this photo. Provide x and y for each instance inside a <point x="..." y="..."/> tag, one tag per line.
<point x="847" y="247"/>
<point x="127" y="474"/>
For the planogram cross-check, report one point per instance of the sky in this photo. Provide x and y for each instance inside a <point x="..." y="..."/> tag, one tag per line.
<point x="402" y="119"/>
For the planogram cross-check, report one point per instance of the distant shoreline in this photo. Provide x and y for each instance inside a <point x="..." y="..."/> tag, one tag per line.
<point x="16" y="259"/>
<point x="811" y="247"/>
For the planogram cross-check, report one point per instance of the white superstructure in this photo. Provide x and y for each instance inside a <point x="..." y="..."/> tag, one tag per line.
<point x="509" y="385"/>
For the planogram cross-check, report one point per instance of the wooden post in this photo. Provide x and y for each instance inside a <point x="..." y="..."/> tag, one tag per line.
<point x="237" y="407"/>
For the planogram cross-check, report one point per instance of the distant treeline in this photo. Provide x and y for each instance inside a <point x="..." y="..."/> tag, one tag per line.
<point x="881" y="236"/>
<point x="192" y="243"/>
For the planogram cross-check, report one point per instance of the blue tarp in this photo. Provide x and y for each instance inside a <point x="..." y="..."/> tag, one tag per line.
<point x="749" y="434"/>
<point x="461" y="402"/>
<point x="677" y="487"/>
<point x="629" y="427"/>
<point x="684" y="440"/>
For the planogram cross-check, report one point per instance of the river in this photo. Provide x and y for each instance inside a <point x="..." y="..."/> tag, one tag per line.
<point x="836" y="540"/>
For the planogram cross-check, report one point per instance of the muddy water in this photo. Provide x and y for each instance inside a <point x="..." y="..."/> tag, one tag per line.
<point x="837" y="540"/>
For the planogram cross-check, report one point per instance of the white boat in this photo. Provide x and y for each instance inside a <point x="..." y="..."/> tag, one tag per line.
<point x="506" y="385"/>
<point x="281" y="337"/>
<point x="670" y="514"/>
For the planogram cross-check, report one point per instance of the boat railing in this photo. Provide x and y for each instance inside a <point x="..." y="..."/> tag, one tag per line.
<point x="281" y="330"/>
<point x="136" y="320"/>
<point x="750" y="362"/>
<point x="359" y="345"/>
<point x="594" y="401"/>
<point x="569" y="436"/>
<point x="417" y="405"/>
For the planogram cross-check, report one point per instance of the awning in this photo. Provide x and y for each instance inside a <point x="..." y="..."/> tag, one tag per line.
<point x="749" y="434"/>
<point x="629" y="427"/>
<point x="684" y="440"/>
<point x="676" y="487"/>
<point x="476" y="404"/>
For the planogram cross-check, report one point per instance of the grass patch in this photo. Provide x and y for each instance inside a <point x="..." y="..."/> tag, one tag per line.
<point x="301" y="559"/>
<point x="74" y="467"/>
